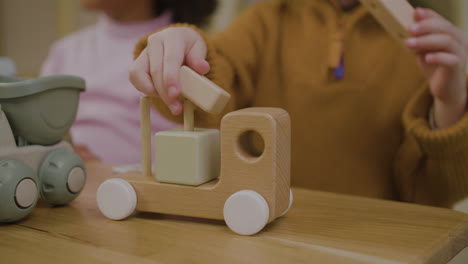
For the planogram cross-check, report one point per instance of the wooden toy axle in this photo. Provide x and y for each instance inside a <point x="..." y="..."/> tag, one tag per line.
<point x="188" y="115"/>
<point x="145" y="108"/>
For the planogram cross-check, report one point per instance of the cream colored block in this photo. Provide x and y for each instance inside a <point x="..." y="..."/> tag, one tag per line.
<point x="202" y="92"/>
<point x="187" y="157"/>
<point x="394" y="15"/>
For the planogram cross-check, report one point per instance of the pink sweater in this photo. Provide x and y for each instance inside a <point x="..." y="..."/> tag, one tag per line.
<point x="108" y="120"/>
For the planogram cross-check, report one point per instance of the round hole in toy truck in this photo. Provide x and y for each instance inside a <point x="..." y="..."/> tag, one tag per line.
<point x="250" y="145"/>
<point x="40" y="111"/>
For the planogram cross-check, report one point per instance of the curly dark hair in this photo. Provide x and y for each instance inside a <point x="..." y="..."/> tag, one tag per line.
<point x="194" y="12"/>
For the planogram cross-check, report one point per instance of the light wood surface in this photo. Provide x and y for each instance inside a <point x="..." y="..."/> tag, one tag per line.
<point x="320" y="228"/>
<point x="268" y="174"/>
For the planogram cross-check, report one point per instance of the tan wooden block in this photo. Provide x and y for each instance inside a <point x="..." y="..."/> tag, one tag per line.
<point x="202" y="92"/>
<point x="187" y="157"/>
<point x="394" y="15"/>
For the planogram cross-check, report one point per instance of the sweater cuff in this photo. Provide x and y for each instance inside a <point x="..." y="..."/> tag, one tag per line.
<point x="442" y="143"/>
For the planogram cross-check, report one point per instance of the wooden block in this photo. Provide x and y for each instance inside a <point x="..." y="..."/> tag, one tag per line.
<point x="202" y="92"/>
<point x="187" y="157"/>
<point x="394" y="15"/>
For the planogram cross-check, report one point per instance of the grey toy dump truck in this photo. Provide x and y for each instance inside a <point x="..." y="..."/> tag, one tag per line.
<point x="35" y="115"/>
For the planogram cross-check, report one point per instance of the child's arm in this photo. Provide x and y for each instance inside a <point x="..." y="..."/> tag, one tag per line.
<point x="442" y="53"/>
<point x="230" y="58"/>
<point x="441" y="50"/>
<point x="432" y="164"/>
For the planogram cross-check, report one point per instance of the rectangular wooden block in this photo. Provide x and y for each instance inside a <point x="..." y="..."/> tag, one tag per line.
<point x="187" y="157"/>
<point x="202" y="92"/>
<point x="394" y="15"/>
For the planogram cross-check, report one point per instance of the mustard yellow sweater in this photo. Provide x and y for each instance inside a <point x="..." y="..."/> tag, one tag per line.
<point x="366" y="134"/>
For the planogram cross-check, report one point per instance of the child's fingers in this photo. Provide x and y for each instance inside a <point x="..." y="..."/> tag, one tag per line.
<point x="167" y="51"/>
<point x="140" y="77"/>
<point x="155" y="55"/>
<point x="442" y="58"/>
<point x="172" y="61"/>
<point x="433" y="42"/>
<point x="196" y="57"/>
<point x="424" y="13"/>
<point x="201" y="66"/>
<point x="434" y="26"/>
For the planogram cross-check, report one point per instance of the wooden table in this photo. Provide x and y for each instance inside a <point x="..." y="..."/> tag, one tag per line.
<point x="320" y="228"/>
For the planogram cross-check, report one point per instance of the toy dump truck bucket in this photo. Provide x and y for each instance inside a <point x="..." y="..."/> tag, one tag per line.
<point x="41" y="110"/>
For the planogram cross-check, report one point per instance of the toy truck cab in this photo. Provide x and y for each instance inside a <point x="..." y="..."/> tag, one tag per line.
<point x="253" y="188"/>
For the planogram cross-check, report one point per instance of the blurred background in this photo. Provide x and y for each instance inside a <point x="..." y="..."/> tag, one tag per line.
<point x="28" y="27"/>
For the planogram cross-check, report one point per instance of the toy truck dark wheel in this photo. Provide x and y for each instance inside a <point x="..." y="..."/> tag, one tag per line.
<point x="62" y="176"/>
<point x="18" y="190"/>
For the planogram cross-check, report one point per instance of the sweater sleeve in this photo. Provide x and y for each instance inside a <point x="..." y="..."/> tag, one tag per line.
<point x="432" y="165"/>
<point x="233" y="56"/>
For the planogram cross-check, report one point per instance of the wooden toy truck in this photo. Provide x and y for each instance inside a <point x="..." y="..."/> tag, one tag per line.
<point x="252" y="189"/>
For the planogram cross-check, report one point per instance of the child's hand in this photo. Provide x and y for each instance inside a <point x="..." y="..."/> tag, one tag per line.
<point x="156" y="71"/>
<point x="442" y="55"/>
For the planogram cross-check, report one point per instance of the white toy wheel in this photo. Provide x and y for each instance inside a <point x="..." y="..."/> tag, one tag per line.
<point x="18" y="190"/>
<point x="116" y="199"/>
<point x="291" y="199"/>
<point x="76" y="180"/>
<point x="246" y="212"/>
<point x="26" y="193"/>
